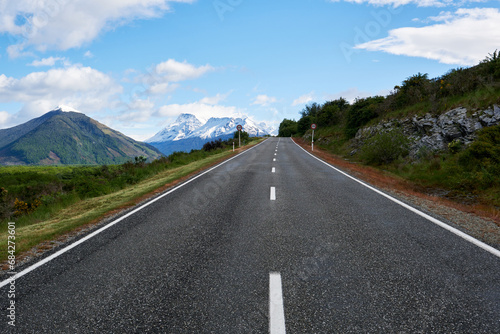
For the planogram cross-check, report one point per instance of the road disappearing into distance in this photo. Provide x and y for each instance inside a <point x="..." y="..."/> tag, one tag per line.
<point x="270" y="241"/>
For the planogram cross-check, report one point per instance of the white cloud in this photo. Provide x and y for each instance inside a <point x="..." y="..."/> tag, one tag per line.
<point x="419" y="3"/>
<point x="164" y="77"/>
<point x="464" y="37"/>
<point x="213" y="100"/>
<point x="162" y="88"/>
<point x="174" y="71"/>
<point x="64" y="24"/>
<point x="50" y="61"/>
<point x="83" y="88"/>
<point x="264" y="100"/>
<point x="4" y="119"/>
<point x="303" y="99"/>
<point x="88" y="54"/>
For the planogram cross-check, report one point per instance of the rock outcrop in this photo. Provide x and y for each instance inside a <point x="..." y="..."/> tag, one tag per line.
<point x="434" y="133"/>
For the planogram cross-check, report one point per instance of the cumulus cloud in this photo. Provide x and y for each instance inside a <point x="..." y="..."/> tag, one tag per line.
<point x="463" y="37"/>
<point x="264" y="100"/>
<point x="83" y="88"/>
<point x="164" y="77"/>
<point x="64" y="24"/>
<point x="303" y="99"/>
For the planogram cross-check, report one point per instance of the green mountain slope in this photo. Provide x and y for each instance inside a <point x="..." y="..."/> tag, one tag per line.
<point x="68" y="138"/>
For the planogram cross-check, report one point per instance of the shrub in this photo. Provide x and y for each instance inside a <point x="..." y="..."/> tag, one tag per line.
<point x="213" y="145"/>
<point x="455" y="146"/>
<point x="385" y="147"/>
<point x="23" y="208"/>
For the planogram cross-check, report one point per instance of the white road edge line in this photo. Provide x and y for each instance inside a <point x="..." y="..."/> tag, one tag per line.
<point x="276" y="308"/>
<point x="93" y="234"/>
<point x="451" y="229"/>
<point x="273" y="193"/>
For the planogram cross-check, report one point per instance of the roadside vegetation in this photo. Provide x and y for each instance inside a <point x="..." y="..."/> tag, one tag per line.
<point x="48" y="201"/>
<point x="469" y="174"/>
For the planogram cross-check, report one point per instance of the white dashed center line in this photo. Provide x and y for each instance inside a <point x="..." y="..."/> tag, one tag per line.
<point x="274" y="159"/>
<point x="273" y="193"/>
<point x="273" y="170"/>
<point x="276" y="309"/>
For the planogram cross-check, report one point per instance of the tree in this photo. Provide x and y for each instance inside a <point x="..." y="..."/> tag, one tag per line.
<point x="287" y="128"/>
<point x="361" y="112"/>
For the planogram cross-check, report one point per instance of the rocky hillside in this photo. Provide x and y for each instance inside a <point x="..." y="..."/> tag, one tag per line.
<point x="434" y="133"/>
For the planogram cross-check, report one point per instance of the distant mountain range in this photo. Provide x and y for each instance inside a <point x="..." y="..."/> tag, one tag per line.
<point x="65" y="136"/>
<point x="188" y="132"/>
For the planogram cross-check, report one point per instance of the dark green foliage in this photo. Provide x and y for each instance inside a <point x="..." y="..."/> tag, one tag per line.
<point x="304" y="124"/>
<point x="287" y="128"/>
<point x="385" y="147"/>
<point x="484" y="152"/>
<point x="213" y="145"/>
<point x="491" y="65"/>
<point x="244" y="136"/>
<point x="361" y="112"/>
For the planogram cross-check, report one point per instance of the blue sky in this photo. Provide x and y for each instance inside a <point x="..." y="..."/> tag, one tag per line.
<point x="136" y="65"/>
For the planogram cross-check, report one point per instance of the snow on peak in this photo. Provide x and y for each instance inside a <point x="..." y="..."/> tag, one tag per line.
<point x="187" y="126"/>
<point x="183" y="126"/>
<point x="65" y="108"/>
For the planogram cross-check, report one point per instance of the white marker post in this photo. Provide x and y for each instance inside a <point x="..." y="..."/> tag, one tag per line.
<point x="313" y="127"/>
<point x="239" y="128"/>
<point x="233" y="146"/>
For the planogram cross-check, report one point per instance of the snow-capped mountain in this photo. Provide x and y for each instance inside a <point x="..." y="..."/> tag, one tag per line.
<point x="182" y="128"/>
<point x="188" y="132"/>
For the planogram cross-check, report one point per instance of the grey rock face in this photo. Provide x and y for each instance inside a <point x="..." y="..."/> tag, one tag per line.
<point x="434" y="133"/>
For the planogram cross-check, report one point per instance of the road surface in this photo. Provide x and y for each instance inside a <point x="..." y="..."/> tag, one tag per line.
<point x="271" y="241"/>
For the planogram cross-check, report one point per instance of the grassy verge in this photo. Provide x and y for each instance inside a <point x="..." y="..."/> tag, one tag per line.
<point x="74" y="213"/>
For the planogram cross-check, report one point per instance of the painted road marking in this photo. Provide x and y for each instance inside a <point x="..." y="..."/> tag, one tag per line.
<point x="274" y="159"/>
<point x="276" y="308"/>
<point x="275" y="153"/>
<point x="273" y="193"/>
<point x="273" y="170"/>
<point x="451" y="229"/>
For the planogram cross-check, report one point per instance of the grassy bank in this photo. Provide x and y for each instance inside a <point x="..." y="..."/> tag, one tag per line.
<point x="98" y="191"/>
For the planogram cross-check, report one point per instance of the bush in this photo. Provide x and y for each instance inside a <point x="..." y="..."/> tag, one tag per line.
<point x="213" y="145"/>
<point x="385" y="147"/>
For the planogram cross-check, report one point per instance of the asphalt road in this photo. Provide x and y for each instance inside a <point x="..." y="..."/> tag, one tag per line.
<point x="222" y="255"/>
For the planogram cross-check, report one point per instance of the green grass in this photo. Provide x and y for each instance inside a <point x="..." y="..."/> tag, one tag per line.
<point x="76" y="207"/>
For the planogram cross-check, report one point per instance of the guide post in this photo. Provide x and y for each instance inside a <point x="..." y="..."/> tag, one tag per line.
<point x="313" y="127"/>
